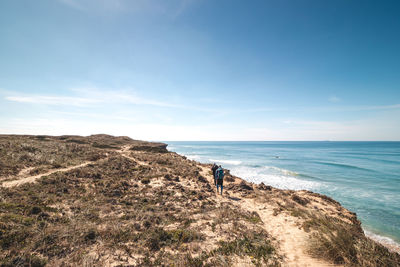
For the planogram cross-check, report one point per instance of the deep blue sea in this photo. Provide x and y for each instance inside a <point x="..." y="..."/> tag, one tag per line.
<point x="363" y="176"/>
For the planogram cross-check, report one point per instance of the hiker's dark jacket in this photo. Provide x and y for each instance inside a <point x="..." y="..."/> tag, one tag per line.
<point x="214" y="169"/>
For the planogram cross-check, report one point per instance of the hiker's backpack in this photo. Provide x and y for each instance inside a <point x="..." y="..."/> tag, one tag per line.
<point x="220" y="174"/>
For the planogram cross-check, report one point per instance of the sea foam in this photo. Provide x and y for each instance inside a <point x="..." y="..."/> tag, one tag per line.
<point x="363" y="176"/>
<point x="193" y="157"/>
<point x="226" y="161"/>
<point x="384" y="240"/>
<point x="280" y="178"/>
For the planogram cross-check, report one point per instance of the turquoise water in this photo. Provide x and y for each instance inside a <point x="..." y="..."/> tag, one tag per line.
<point x="363" y="176"/>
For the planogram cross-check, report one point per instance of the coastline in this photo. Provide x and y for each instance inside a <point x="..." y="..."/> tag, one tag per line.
<point x="137" y="204"/>
<point x="387" y="242"/>
<point x="384" y="240"/>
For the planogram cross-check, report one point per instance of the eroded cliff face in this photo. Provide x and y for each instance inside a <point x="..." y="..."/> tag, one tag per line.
<point x="113" y="201"/>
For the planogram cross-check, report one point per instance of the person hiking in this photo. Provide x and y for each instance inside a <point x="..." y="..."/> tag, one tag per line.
<point x="220" y="178"/>
<point x="214" y="169"/>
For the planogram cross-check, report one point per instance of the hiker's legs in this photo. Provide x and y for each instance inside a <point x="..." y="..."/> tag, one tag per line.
<point x="221" y="188"/>
<point x="217" y="187"/>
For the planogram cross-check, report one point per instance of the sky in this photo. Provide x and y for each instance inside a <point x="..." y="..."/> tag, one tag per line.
<point x="201" y="69"/>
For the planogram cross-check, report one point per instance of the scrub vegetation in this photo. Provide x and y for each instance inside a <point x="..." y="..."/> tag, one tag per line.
<point x="136" y="204"/>
<point x="145" y="207"/>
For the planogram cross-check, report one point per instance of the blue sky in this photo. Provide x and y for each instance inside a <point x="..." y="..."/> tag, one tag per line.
<point x="201" y="70"/>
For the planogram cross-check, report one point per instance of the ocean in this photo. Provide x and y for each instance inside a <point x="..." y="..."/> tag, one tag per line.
<point x="363" y="176"/>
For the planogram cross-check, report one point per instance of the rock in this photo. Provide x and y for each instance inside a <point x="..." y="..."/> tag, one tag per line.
<point x="262" y="186"/>
<point x="36" y="210"/>
<point x="202" y="179"/>
<point x="300" y="200"/>
<point x="209" y="188"/>
<point x="245" y="186"/>
<point x="229" y="178"/>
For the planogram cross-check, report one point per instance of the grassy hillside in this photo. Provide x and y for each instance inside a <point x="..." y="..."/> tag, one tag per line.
<point x="136" y="204"/>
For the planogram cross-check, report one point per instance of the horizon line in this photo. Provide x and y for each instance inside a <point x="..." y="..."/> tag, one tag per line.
<point x="154" y="140"/>
<point x="327" y="141"/>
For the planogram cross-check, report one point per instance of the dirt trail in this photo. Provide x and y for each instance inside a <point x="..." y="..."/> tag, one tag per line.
<point x="290" y="239"/>
<point x="31" y="179"/>
<point x="284" y="228"/>
<point x="124" y="151"/>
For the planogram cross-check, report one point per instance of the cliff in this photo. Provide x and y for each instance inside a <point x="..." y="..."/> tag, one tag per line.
<point x="113" y="201"/>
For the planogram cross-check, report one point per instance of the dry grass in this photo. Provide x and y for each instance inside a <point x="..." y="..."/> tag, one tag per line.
<point x="42" y="153"/>
<point x="335" y="237"/>
<point x="342" y="243"/>
<point x="117" y="210"/>
<point x="152" y="209"/>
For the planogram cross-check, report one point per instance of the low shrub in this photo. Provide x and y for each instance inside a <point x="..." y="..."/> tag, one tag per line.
<point x="254" y="245"/>
<point x="145" y="180"/>
<point x="300" y="200"/>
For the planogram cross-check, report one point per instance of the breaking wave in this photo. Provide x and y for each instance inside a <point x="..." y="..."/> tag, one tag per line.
<point x="342" y="165"/>
<point x="280" y="178"/>
<point x="386" y="241"/>
<point x="226" y="161"/>
<point x="193" y="157"/>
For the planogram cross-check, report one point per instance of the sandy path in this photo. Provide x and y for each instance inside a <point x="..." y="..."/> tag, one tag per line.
<point x="282" y="227"/>
<point x="31" y="179"/>
<point x="290" y="239"/>
<point x="124" y="151"/>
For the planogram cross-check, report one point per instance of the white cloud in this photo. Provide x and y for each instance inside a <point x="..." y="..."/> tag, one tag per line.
<point x="352" y="108"/>
<point x="334" y="99"/>
<point x="182" y="6"/>
<point x="93" y="4"/>
<point x="73" y="4"/>
<point x="172" y="8"/>
<point x="336" y="108"/>
<point x="53" y="100"/>
<point x="92" y="96"/>
<point x="385" y="127"/>
<point x="381" y="127"/>
<point x="143" y="131"/>
<point x="383" y="107"/>
<point x="139" y="123"/>
<point x="89" y="97"/>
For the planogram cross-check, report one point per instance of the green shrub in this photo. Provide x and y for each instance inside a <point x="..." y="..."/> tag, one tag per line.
<point x="23" y="260"/>
<point x="145" y="180"/>
<point x="76" y="141"/>
<point x="159" y="237"/>
<point x="254" y="245"/>
<point x="90" y="236"/>
<point x="104" y="146"/>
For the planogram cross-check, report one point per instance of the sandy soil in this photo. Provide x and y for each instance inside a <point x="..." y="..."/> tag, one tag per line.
<point x="22" y="178"/>
<point x="290" y="240"/>
<point x="32" y="179"/>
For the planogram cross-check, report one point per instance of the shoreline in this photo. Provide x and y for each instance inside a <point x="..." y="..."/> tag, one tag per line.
<point x="162" y="207"/>
<point x="386" y="241"/>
